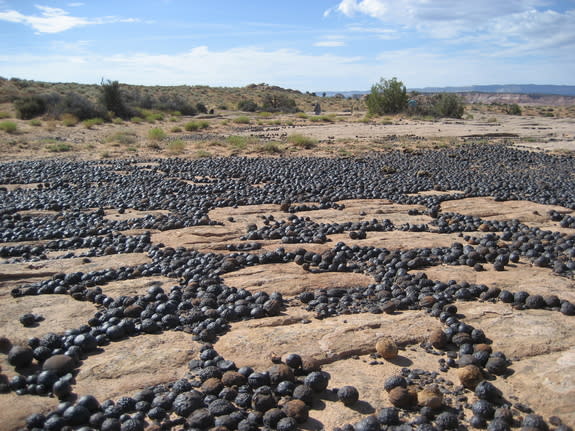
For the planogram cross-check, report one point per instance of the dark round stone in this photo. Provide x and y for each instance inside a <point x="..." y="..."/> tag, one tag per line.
<point x="20" y="357"/>
<point x="348" y="395"/>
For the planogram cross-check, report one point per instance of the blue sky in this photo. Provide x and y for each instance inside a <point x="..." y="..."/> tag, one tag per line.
<point x="310" y="45"/>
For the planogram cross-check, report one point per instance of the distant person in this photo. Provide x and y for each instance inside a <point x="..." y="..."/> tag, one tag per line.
<point x="317" y="109"/>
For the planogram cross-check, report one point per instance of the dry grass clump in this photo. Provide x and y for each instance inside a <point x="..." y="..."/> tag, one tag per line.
<point x="178" y="146"/>
<point x="301" y="141"/>
<point x="125" y="137"/>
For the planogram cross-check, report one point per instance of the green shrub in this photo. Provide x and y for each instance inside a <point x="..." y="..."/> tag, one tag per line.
<point x="4" y="115"/>
<point x="35" y="123"/>
<point x="448" y="105"/>
<point x="30" y="107"/>
<point x="513" y="109"/>
<point x="88" y="124"/>
<point x="192" y="126"/>
<point x="113" y="99"/>
<point x="71" y="104"/>
<point x="152" y="117"/>
<point x="137" y="120"/>
<point x="302" y="141"/>
<point x="8" y="126"/>
<point x="279" y="103"/>
<point x="156" y="134"/>
<point x="176" y="129"/>
<point x="60" y="147"/>
<point x="247" y="105"/>
<point x="242" y="120"/>
<point x="389" y="96"/>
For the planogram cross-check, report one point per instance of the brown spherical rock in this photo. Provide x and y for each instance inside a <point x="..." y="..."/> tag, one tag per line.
<point x="431" y="397"/>
<point x="402" y="397"/>
<point x="482" y="347"/>
<point x="470" y="376"/>
<point x="233" y="378"/>
<point x="386" y="348"/>
<point x="427" y="301"/>
<point x="438" y="339"/>
<point x="309" y="364"/>
<point x="280" y="372"/>
<point x="296" y="409"/>
<point x="60" y="364"/>
<point x="212" y="386"/>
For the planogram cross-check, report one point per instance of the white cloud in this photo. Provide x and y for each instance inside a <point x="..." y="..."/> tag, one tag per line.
<point x="329" y="43"/>
<point x="75" y="4"/>
<point x="56" y="20"/>
<point x="199" y="65"/>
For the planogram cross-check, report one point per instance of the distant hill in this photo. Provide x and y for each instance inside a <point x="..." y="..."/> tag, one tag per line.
<point x="558" y="90"/>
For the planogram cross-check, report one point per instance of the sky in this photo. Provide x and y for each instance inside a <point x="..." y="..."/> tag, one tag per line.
<point x="308" y="45"/>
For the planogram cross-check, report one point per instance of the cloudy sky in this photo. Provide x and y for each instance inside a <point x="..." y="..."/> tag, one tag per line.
<point x="309" y="45"/>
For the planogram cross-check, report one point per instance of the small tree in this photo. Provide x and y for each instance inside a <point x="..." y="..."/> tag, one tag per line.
<point x="513" y="109"/>
<point x="448" y="105"/>
<point x="389" y="96"/>
<point x="113" y="100"/>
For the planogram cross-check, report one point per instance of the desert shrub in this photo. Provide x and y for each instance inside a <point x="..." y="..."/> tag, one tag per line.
<point x="30" y="107"/>
<point x="242" y="120"/>
<point x="126" y="137"/>
<point x="176" y="146"/>
<point x="441" y="105"/>
<point x="8" y="126"/>
<point x="72" y="104"/>
<point x="69" y="120"/>
<point x="200" y="107"/>
<point x="322" y="118"/>
<point x="279" y="103"/>
<point x="513" y="109"/>
<point x="238" y="142"/>
<point x="88" y="124"/>
<point x="4" y="115"/>
<point x="302" y="115"/>
<point x="152" y="117"/>
<point x="176" y="129"/>
<point x="247" y="105"/>
<point x="448" y="105"/>
<point x="137" y="120"/>
<point x="272" y="148"/>
<point x="59" y="147"/>
<point x="192" y="126"/>
<point x="156" y="134"/>
<point x="113" y="99"/>
<point x="202" y="154"/>
<point x="389" y="96"/>
<point x="302" y="141"/>
<point x="35" y="123"/>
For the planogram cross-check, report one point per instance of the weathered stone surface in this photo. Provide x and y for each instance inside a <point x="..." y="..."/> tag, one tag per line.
<point x="130" y="365"/>
<point x="251" y="342"/>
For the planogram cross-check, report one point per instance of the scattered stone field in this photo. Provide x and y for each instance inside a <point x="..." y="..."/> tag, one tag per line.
<point x="422" y="290"/>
